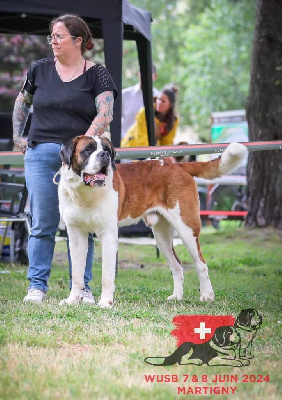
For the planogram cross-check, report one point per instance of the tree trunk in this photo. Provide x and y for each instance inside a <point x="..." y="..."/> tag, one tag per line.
<point x="264" y="115"/>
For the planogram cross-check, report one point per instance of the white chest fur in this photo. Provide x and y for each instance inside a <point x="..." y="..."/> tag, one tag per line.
<point x="87" y="207"/>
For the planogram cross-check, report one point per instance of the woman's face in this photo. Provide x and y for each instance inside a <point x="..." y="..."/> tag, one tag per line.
<point x="66" y="44"/>
<point x="163" y="104"/>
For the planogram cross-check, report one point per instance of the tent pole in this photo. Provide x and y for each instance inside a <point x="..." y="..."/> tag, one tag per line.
<point x="113" y="40"/>
<point x="145" y="62"/>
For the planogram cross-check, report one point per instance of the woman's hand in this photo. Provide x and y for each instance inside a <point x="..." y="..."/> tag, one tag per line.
<point x="21" y="143"/>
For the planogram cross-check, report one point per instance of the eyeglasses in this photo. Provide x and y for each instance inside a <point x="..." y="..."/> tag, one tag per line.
<point x="56" y="38"/>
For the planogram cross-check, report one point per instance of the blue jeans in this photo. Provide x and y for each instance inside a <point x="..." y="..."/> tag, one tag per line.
<point x="41" y="164"/>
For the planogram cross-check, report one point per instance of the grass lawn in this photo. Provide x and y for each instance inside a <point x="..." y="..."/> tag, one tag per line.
<point x="83" y="352"/>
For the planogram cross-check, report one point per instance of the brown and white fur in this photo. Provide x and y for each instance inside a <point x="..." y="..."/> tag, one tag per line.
<point x="95" y="196"/>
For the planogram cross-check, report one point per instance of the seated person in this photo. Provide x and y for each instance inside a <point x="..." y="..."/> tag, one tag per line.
<point x="132" y="101"/>
<point x="166" y="123"/>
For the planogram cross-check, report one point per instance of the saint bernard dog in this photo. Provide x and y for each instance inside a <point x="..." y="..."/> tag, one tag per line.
<point x="218" y="351"/>
<point x="95" y="195"/>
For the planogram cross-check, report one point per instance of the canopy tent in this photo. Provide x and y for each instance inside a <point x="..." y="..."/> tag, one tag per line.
<point x="110" y="20"/>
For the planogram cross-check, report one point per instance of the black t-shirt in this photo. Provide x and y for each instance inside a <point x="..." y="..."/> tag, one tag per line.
<point x="62" y="110"/>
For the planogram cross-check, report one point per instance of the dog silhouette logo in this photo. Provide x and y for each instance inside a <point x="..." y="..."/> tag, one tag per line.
<point x="212" y="340"/>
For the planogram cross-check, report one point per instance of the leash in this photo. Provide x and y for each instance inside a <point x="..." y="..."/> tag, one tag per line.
<point x="55" y="176"/>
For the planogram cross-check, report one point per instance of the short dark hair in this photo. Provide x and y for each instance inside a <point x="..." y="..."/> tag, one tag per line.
<point x="77" y="27"/>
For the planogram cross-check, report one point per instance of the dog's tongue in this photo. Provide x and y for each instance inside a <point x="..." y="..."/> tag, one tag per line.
<point x="99" y="177"/>
<point x="93" y="179"/>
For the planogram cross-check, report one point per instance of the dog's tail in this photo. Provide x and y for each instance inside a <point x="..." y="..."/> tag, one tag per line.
<point x="230" y="160"/>
<point x="173" y="358"/>
<point x="157" y="361"/>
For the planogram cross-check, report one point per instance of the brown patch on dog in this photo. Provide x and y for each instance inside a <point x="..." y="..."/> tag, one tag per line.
<point x="75" y="146"/>
<point x="109" y="145"/>
<point x="175" y="255"/>
<point x="81" y="144"/>
<point x="148" y="184"/>
<point x="206" y="170"/>
<point x="199" y="251"/>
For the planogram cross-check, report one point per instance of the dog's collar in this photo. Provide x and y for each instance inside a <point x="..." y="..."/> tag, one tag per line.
<point x="220" y="349"/>
<point x="214" y="346"/>
<point x="243" y="328"/>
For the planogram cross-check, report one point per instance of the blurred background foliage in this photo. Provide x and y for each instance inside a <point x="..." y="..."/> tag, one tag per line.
<point x="202" y="46"/>
<point x="17" y="54"/>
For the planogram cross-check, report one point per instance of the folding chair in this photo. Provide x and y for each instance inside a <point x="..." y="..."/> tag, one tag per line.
<point x="13" y="200"/>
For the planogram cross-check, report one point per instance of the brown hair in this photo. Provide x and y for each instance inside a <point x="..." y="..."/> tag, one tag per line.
<point x="77" y="27"/>
<point x="170" y="117"/>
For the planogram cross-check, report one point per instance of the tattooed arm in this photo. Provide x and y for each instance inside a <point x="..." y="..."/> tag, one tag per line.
<point x="104" y="104"/>
<point x="20" y="114"/>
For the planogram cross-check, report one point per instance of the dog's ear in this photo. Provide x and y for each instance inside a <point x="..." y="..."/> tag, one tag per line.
<point x="67" y="151"/>
<point x="243" y="317"/>
<point x="220" y="336"/>
<point x="251" y="314"/>
<point x="111" y="150"/>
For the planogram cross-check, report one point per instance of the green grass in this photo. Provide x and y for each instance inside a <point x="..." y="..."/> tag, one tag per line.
<point x="84" y="352"/>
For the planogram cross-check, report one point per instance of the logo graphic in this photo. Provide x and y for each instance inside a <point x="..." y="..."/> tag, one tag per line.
<point x="212" y="340"/>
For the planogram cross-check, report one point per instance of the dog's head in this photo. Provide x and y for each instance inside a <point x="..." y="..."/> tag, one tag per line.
<point x="226" y="337"/>
<point x="248" y="318"/>
<point x="90" y="157"/>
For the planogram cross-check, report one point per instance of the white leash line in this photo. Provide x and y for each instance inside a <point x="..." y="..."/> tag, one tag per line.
<point x="55" y="176"/>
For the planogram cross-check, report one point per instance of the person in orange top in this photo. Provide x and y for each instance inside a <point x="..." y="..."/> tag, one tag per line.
<point x="166" y="122"/>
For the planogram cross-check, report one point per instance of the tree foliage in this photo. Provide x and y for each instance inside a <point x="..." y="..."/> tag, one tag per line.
<point x="17" y="54"/>
<point x="204" y="47"/>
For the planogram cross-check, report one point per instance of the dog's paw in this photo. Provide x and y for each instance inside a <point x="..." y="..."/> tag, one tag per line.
<point x="105" y="303"/>
<point x="207" y="296"/>
<point x="185" y="360"/>
<point x="174" y="297"/>
<point x="246" y="357"/>
<point x="244" y="362"/>
<point x="69" y="301"/>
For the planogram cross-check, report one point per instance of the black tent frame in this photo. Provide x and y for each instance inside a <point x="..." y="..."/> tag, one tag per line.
<point x="110" y="20"/>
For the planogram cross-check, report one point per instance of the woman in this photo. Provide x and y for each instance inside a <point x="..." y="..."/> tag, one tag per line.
<point x="70" y="96"/>
<point x="166" y="123"/>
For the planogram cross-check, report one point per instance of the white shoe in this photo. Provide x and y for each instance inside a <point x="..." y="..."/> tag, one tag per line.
<point x="34" y="296"/>
<point x="87" y="296"/>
